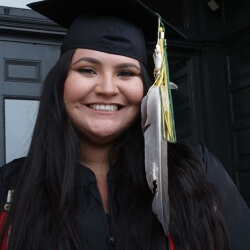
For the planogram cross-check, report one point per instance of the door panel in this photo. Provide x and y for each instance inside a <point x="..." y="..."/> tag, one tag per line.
<point x="25" y="66"/>
<point x="20" y="116"/>
<point x="239" y="107"/>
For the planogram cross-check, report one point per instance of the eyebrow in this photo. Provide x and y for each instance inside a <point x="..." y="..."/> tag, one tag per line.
<point x="96" y="61"/>
<point x="128" y="65"/>
<point x="88" y="59"/>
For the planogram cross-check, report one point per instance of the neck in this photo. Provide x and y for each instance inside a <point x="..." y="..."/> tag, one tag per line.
<point x="95" y="157"/>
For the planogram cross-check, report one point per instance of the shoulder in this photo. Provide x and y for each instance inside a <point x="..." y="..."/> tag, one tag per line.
<point x="10" y="169"/>
<point x="196" y="152"/>
<point x="236" y="212"/>
<point x="198" y="149"/>
<point x="214" y="169"/>
<point x="9" y="175"/>
<point x="211" y="162"/>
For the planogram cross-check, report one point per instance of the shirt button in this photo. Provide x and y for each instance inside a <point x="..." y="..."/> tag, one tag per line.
<point x="112" y="240"/>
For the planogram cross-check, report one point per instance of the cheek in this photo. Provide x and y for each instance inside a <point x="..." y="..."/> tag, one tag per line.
<point x="73" y="90"/>
<point x="71" y="98"/>
<point x="68" y="90"/>
<point x="136" y="94"/>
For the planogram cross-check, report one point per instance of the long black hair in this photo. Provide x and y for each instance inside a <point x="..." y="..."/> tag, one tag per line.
<point x="42" y="213"/>
<point x="44" y="204"/>
<point x="196" y="220"/>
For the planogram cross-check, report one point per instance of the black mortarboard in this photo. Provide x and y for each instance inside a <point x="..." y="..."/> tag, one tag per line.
<point x="110" y="26"/>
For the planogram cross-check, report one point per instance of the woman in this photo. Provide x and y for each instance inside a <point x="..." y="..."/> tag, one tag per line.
<point x="83" y="184"/>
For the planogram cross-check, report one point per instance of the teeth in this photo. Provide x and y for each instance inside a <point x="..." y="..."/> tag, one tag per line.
<point x="103" y="107"/>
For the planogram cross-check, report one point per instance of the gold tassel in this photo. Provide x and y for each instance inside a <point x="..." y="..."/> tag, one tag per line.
<point x="161" y="74"/>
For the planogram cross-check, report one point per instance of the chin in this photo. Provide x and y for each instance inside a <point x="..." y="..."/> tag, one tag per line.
<point x="107" y="136"/>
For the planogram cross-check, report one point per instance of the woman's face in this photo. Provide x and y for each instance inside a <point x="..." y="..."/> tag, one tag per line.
<point x="102" y="94"/>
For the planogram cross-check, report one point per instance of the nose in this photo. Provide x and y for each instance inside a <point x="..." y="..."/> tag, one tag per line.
<point x="107" y="86"/>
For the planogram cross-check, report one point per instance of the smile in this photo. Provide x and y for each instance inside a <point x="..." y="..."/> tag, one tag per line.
<point x="102" y="107"/>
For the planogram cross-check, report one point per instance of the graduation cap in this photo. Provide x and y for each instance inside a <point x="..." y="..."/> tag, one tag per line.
<point x="112" y="26"/>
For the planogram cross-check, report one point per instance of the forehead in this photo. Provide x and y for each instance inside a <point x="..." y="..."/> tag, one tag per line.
<point x="101" y="57"/>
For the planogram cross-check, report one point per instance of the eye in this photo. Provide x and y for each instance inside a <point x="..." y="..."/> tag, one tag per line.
<point x="86" y="71"/>
<point x="126" y="73"/>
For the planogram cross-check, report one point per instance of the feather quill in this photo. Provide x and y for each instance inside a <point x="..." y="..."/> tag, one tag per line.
<point x="158" y="128"/>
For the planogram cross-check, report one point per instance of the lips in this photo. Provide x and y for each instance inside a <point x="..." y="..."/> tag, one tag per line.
<point x="104" y="107"/>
